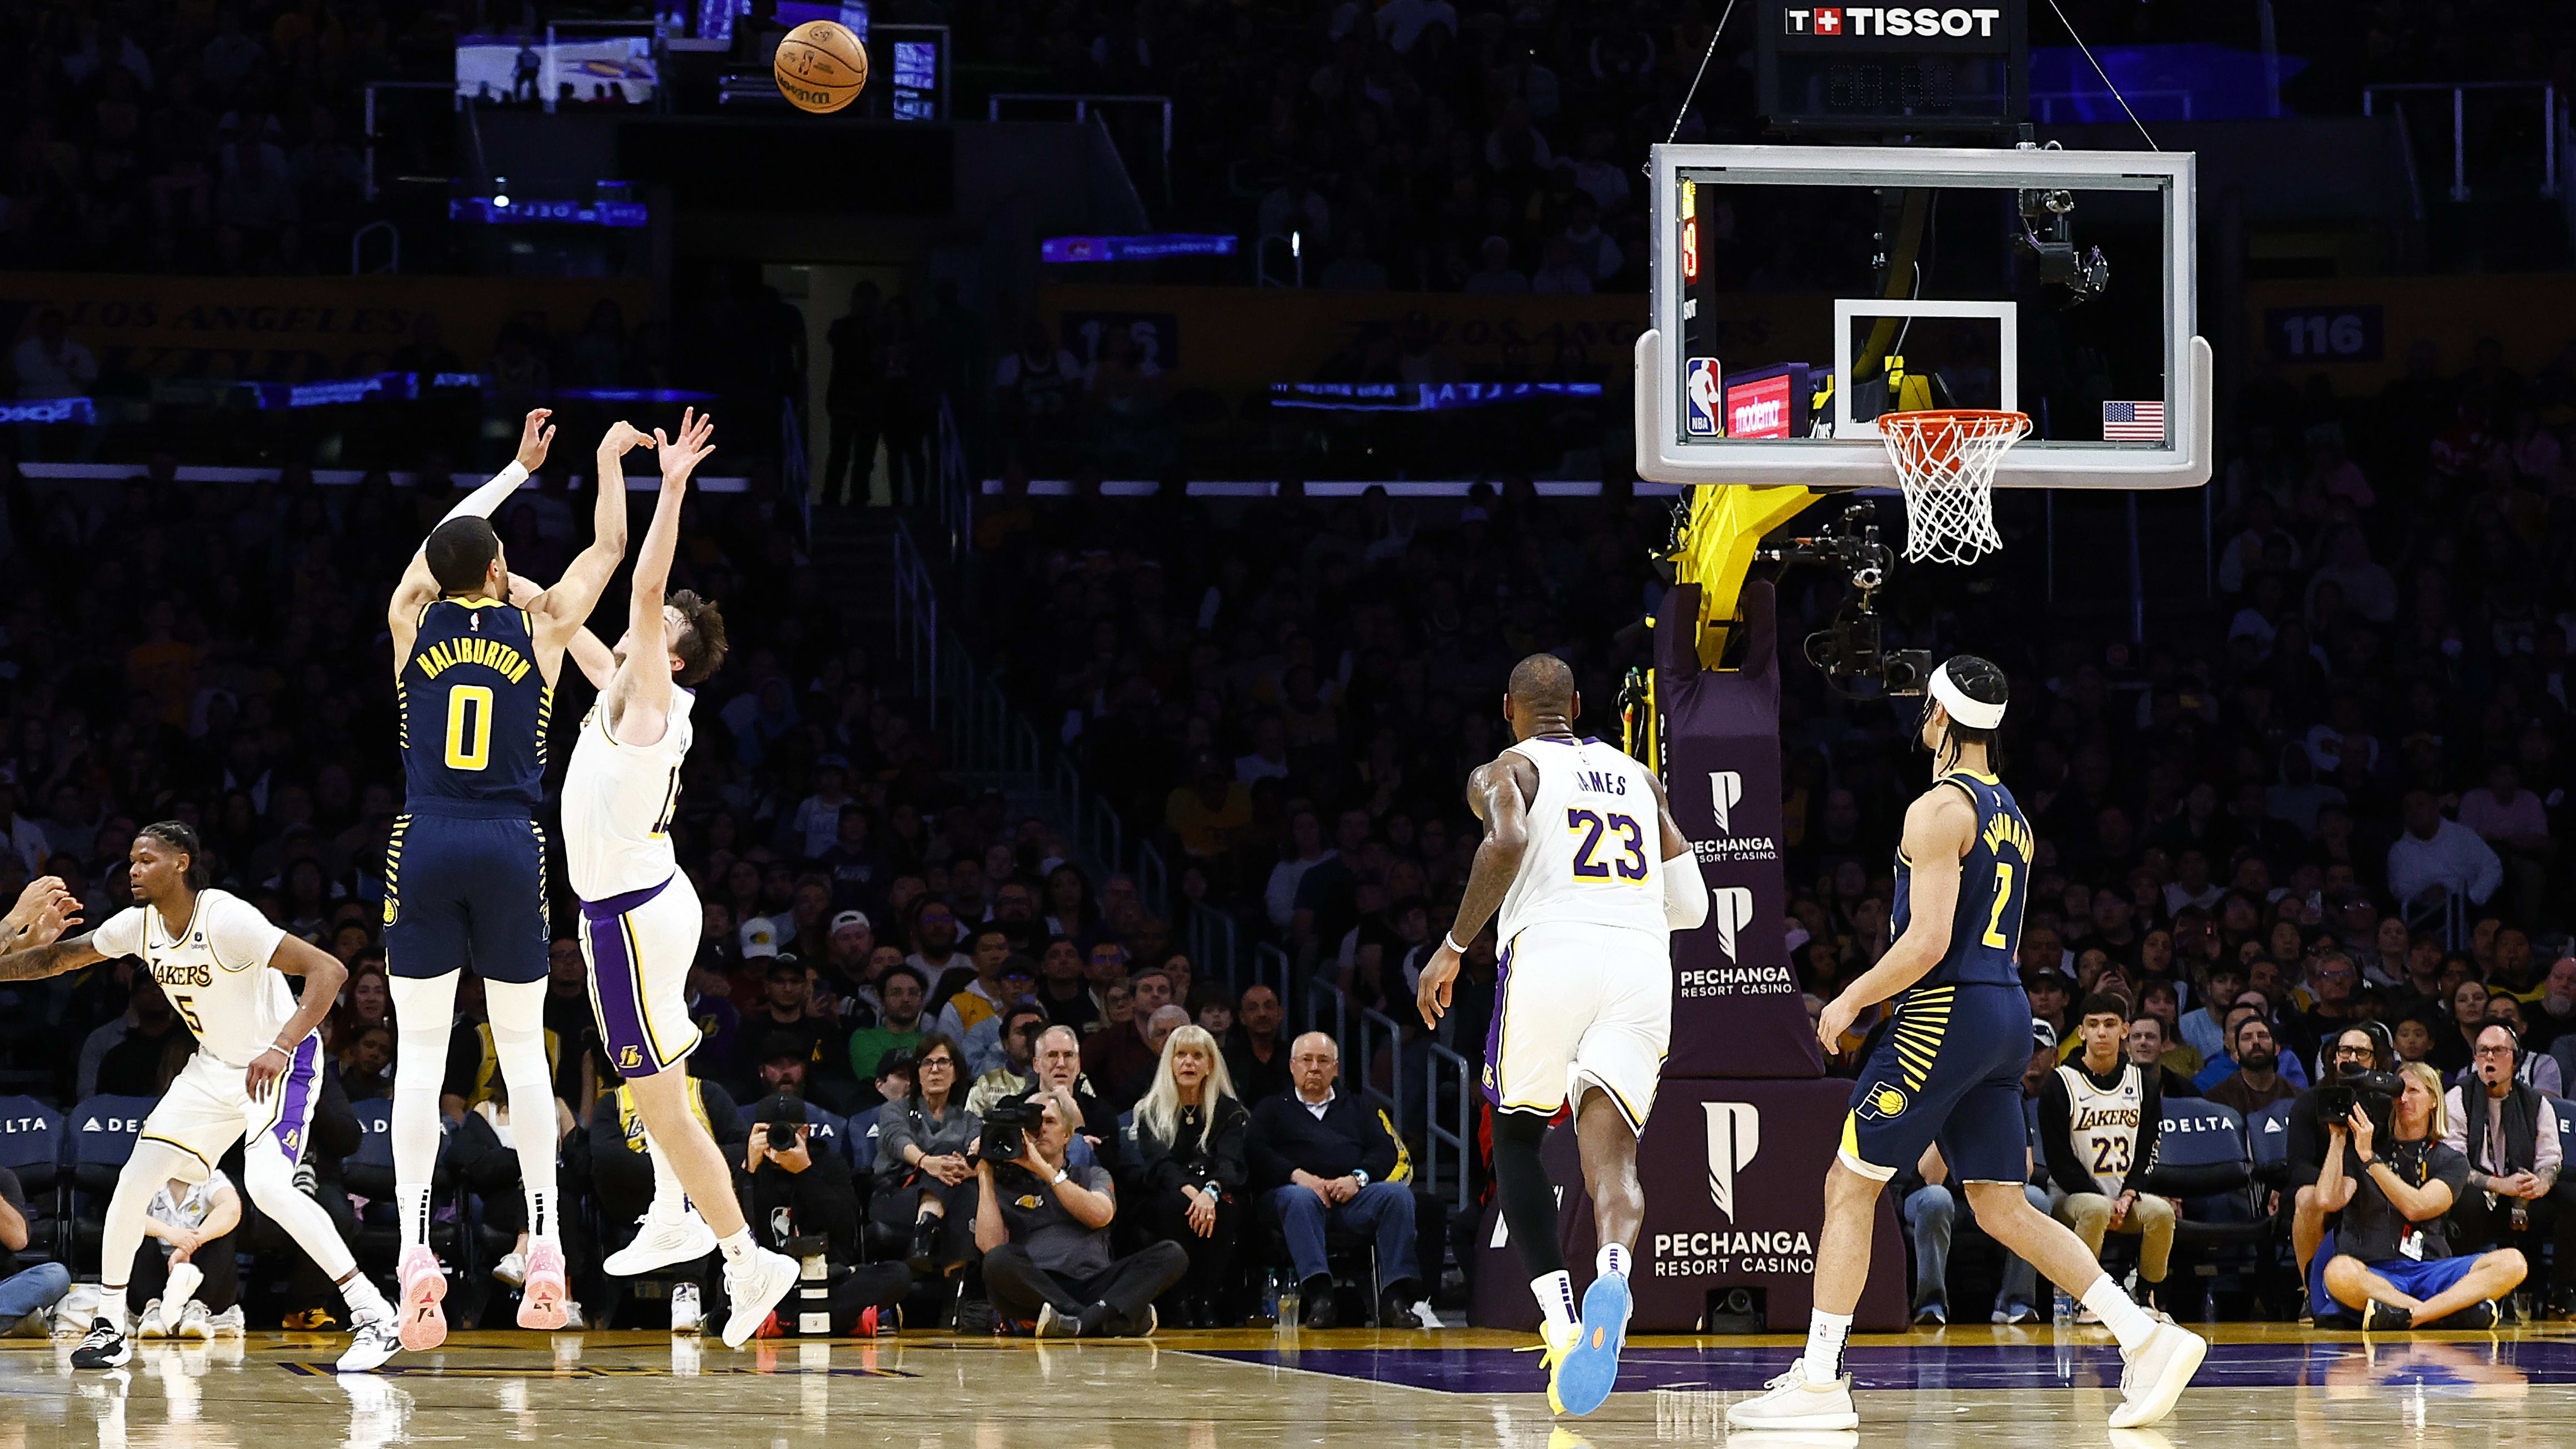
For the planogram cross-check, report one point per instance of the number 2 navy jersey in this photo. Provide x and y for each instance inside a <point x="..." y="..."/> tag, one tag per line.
<point x="1994" y="881"/>
<point x="474" y="709"/>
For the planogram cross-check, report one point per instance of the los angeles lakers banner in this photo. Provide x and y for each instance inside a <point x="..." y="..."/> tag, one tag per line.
<point x="1736" y="1001"/>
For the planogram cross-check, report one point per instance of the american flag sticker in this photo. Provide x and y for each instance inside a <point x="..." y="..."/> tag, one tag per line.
<point x="2133" y="422"/>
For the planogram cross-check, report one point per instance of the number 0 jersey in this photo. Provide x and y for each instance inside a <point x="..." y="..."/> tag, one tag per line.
<point x="618" y="800"/>
<point x="474" y="710"/>
<point x="1596" y="841"/>
<point x="215" y="972"/>
<point x="1994" y="880"/>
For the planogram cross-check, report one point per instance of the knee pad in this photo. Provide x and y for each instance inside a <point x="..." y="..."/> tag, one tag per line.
<point x="517" y="1011"/>
<point x="424" y="1019"/>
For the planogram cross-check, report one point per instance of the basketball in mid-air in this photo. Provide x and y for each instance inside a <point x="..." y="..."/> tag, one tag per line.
<point x="821" y="66"/>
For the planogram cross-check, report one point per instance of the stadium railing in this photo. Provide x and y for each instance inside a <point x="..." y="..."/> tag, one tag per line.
<point x="1455" y="1138"/>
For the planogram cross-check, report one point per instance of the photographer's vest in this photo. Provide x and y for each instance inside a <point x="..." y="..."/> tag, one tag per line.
<point x="2520" y="1120"/>
<point x="630" y="1125"/>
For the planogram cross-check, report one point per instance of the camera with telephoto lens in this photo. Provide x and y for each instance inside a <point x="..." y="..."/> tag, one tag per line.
<point x="1006" y="1125"/>
<point x="782" y="1118"/>
<point x="2376" y="1093"/>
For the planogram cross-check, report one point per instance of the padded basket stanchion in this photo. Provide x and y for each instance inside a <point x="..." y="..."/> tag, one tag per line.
<point x="1946" y="460"/>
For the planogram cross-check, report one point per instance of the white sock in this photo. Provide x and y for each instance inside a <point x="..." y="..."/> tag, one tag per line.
<point x="2128" y="1323"/>
<point x="1825" y="1335"/>
<point x="1611" y="1261"/>
<point x="669" y="1198"/>
<point x="111" y="1306"/>
<point x="1555" y="1294"/>
<point x="363" y="1299"/>
<point x="738" y="1248"/>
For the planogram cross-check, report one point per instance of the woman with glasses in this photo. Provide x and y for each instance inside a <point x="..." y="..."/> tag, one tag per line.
<point x="1191" y="1168"/>
<point x="926" y="1144"/>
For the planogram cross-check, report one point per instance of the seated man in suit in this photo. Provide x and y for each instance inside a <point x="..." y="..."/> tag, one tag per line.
<point x="1322" y="1159"/>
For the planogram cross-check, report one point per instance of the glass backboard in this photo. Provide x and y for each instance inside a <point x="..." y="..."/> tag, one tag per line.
<point x="1802" y="292"/>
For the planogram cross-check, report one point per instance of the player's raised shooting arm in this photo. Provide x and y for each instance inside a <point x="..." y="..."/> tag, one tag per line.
<point x="643" y="706"/>
<point x="1685" y="889"/>
<point x="566" y="606"/>
<point x="1500" y="798"/>
<point x="1938" y="827"/>
<point x="418" y="587"/>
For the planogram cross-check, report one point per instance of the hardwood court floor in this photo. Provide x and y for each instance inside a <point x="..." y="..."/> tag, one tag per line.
<point x="2264" y="1385"/>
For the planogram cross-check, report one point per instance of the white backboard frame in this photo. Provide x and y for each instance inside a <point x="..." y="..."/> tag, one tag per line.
<point x="1856" y="457"/>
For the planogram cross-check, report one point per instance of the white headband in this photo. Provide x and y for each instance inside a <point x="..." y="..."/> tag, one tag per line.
<point x="1974" y="714"/>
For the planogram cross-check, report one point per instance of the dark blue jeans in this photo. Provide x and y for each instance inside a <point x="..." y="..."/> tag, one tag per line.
<point x="1384" y="1210"/>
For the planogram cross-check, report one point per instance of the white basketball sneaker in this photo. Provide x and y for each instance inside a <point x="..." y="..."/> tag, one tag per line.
<point x="661" y="1240"/>
<point x="1790" y="1402"/>
<point x="2157" y="1374"/>
<point x="373" y="1342"/>
<point x="154" y="1320"/>
<point x="195" y="1322"/>
<point x="755" y="1286"/>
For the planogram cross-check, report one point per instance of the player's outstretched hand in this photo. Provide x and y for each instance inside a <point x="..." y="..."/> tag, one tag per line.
<point x="1431" y="998"/>
<point x="1836" y="1020"/>
<point x="620" y="437"/>
<point x="682" y="455"/>
<point x="43" y="912"/>
<point x="535" y="436"/>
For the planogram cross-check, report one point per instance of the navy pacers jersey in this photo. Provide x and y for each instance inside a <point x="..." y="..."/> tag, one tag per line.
<point x="1994" y="883"/>
<point x="474" y="710"/>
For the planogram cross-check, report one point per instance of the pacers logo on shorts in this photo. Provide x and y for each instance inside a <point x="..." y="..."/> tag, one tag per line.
<point x="1884" y="1102"/>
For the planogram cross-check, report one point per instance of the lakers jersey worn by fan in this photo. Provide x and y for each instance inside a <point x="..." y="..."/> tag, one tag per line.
<point x="465" y="870"/>
<point x="2104" y="1122"/>
<point x="1585" y="981"/>
<point x="640" y="918"/>
<point x="1949" y="1065"/>
<point x="215" y="974"/>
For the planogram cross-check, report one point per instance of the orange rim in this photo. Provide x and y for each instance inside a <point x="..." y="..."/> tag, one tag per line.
<point x="1935" y="432"/>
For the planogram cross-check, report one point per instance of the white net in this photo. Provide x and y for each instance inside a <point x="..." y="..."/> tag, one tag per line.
<point x="1946" y="460"/>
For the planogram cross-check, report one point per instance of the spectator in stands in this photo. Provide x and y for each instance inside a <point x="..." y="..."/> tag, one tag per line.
<point x="1021" y="1025"/>
<point x="1931" y="1211"/>
<point x="1158" y="1031"/>
<point x="1123" y="1051"/>
<point x="1043" y="1227"/>
<point x="787" y="1010"/>
<point x="898" y="1026"/>
<point x="988" y="950"/>
<point x="2145" y="1044"/>
<point x="487" y="1164"/>
<point x="2099" y="1116"/>
<point x="367" y="1067"/>
<point x="1321" y="1160"/>
<point x="1190" y="1170"/>
<point x="2509" y="1132"/>
<point x="25" y="1293"/>
<point x="1061" y="991"/>
<point x="132" y="1067"/>
<point x="2438" y="859"/>
<point x="188" y="1271"/>
<point x="2553" y="1014"/>
<point x="926" y="1160"/>
<point x="2256" y="1083"/>
<point x="2390" y="1263"/>
<point x="934" y="949"/>
<point x="1058" y="1071"/>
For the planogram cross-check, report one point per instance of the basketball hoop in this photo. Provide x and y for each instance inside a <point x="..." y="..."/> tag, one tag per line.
<point x="1946" y="460"/>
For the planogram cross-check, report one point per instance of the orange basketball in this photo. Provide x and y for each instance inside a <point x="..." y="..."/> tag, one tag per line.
<point x="821" y="66"/>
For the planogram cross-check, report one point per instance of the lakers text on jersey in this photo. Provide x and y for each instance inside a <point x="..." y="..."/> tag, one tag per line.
<point x="2104" y="1122"/>
<point x="1584" y="990"/>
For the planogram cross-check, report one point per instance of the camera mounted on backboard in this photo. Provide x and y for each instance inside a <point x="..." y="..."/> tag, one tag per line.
<point x="1847" y="649"/>
<point x="2048" y="234"/>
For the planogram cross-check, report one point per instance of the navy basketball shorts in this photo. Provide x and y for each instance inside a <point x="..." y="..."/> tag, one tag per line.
<point x="1947" y="1071"/>
<point x="466" y="890"/>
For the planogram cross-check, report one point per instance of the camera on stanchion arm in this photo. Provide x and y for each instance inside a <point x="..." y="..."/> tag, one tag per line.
<point x="1848" y="649"/>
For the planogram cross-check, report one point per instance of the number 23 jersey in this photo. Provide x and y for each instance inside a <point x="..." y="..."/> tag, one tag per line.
<point x="618" y="800"/>
<point x="215" y="972"/>
<point x="1595" y="854"/>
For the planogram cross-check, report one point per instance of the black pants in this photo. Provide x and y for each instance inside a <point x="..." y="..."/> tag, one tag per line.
<point x="850" y="454"/>
<point x="897" y="1207"/>
<point x="1017" y="1285"/>
<point x="1167" y="1219"/>
<point x="2478" y="1228"/>
<point x="220" y="1290"/>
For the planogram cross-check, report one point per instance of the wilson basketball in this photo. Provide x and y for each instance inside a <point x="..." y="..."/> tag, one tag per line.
<point x="821" y="66"/>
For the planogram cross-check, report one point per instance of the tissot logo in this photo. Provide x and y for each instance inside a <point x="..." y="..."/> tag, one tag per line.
<point x="1730" y="908"/>
<point x="1725" y="790"/>
<point x="1734" y="1135"/>
<point x="1890" y="22"/>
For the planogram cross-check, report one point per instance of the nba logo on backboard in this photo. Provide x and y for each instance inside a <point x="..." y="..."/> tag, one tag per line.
<point x="1701" y="398"/>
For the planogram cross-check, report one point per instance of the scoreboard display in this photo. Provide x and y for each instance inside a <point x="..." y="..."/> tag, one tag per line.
<point x="1948" y="69"/>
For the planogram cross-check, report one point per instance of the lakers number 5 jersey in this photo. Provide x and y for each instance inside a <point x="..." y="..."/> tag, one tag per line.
<point x="474" y="707"/>
<point x="1596" y="842"/>
<point x="1994" y="880"/>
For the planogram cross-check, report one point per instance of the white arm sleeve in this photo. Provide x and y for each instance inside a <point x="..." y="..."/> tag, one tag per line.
<point x="121" y="936"/>
<point x="239" y="935"/>
<point x="484" y="500"/>
<point x="1685" y="893"/>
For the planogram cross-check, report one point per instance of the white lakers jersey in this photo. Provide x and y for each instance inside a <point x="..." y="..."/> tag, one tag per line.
<point x="618" y="800"/>
<point x="215" y="973"/>
<point x="1596" y="842"/>
<point x="2104" y="1122"/>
